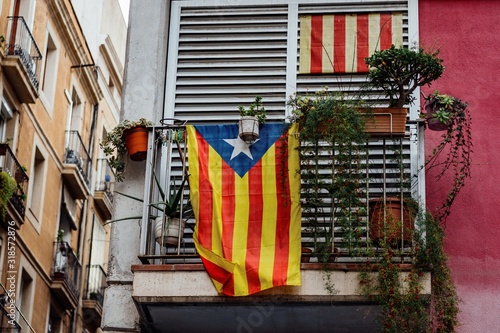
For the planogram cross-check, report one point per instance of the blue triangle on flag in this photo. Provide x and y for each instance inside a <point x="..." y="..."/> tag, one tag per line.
<point x="240" y="156"/>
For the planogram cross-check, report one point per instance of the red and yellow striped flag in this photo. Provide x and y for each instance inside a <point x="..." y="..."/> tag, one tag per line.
<point x="246" y="200"/>
<point x="340" y="43"/>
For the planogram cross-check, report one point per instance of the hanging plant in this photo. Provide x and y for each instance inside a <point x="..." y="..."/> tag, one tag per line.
<point x="452" y="155"/>
<point x="115" y="148"/>
<point x="251" y="118"/>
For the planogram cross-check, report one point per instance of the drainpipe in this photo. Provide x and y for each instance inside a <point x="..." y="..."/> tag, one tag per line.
<point x="68" y="120"/>
<point x="92" y="128"/>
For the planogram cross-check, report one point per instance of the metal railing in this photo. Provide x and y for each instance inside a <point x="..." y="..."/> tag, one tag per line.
<point x="22" y="44"/>
<point x="10" y="164"/>
<point x="67" y="267"/>
<point x="384" y="178"/>
<point x="96" y="283"/>
<point x="105" y="180"/>
<point x="77" y="154"/>
<point x="8" y="315"/>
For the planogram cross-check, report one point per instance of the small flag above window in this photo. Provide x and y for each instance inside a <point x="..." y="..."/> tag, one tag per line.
<point x="340" y="43"/>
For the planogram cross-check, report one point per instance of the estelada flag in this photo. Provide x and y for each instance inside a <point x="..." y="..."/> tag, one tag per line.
<point x="246" y="200"/>
<point x="340" y="43"/>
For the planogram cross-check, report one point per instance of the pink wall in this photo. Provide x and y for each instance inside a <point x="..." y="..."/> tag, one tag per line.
<point x="468" y="35"/>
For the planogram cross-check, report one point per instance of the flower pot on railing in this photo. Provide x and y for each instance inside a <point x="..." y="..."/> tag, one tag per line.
<point x="248" y="128"/>
<point x="390" y="220"/>
<point x="136" y="140"/>
<point x="168" y="233"/>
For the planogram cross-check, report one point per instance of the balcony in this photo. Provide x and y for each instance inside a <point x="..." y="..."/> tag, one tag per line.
<point x="94" y="295"/>
<point x="104" y="189"/>
<point x="66" y="273"/>
<point x="77" y="166"/>
<point x="21" y="60"/>
<point x="17" y="203"/>
<point x="326" y="282"/>
<point x="8" y="315"/>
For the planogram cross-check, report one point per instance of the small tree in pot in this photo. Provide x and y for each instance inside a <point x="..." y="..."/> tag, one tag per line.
<point x="399" y="71"/>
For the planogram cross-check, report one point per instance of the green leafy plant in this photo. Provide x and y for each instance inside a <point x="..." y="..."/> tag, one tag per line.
<point x="403" y="307"/>
<point x="452" y="155"/>
<point x="399" y="71"/>
<point x="332" y="151"/>
<point x="8" y="186"/>
<point x="169" y="204"/>
<point x="114" y="146"/>
<point x="256" y="109"/>
<point x="443" y="107"/>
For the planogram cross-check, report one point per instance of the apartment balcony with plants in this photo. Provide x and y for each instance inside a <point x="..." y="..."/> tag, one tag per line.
<point x="66" y="274"/>
<point x="94" y="295"/>
<point x="77" y="165"/>
<point x="104" y="188"/>
<point x="21" y="60"/>
<point x="14" y="186"/>
<point x="323" y="206"/>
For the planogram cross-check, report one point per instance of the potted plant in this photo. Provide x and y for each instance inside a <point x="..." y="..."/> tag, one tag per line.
<point x="170" y="215"/>
<point x="8" y="186"/>
<point x="128" y="136"/>
<point x="20" y="174"/>
<point x="333" y="160"/>
<point x="398" y="72"/>
<point x="442" y="109"/>
<point x="391" y="221"/>
<point x="170" y="225"/>
<point x="250" y="120"/>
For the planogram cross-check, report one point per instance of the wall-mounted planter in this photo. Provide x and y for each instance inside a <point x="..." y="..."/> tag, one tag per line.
<point x="248" y="129"/>
<point x="388" y="121"/>
<point x="136" y="140"/>
<point x="433" y="123"/>
<point x="391" y="220"/>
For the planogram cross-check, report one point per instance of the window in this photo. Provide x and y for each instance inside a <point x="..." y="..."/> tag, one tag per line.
<point x="55" y="323"/>
<point x="76" y="111"/>
<point x="37" y="184"/>
<point x="25" y="299"/>
<point x="49" y="70"/>
<point x="5" y="115"/>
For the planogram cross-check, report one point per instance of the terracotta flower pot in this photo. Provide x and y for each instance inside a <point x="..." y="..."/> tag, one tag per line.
<point x="136" y="140"/>
<point x="306" y="254"/>
<point x="385" y="221"/>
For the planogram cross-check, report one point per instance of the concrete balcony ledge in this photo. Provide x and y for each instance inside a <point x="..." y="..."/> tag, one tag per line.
<point x="190" y="283"/>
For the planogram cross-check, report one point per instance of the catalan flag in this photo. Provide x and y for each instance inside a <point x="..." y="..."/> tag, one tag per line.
<point x="340" y="43"/>
<point x="246" y="200"/>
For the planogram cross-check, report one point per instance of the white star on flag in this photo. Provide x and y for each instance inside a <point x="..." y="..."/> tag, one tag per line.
<point x="240" y="146"/>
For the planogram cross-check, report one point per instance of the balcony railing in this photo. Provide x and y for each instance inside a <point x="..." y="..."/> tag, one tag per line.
<point x="10" y="164"/>
<point x="22" y="44"/>
<point x="67" y="267"/>
<point x="105" y="181"/>
<point x="382" y="178"/>
<point x="96" y="283"/>
<point x="77" y="154"/>
<point x="8" y="313"/>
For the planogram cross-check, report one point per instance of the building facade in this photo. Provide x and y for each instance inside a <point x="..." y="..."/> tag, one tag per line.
<point x="60" y="93"/>
<point x="200" y="60"/>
